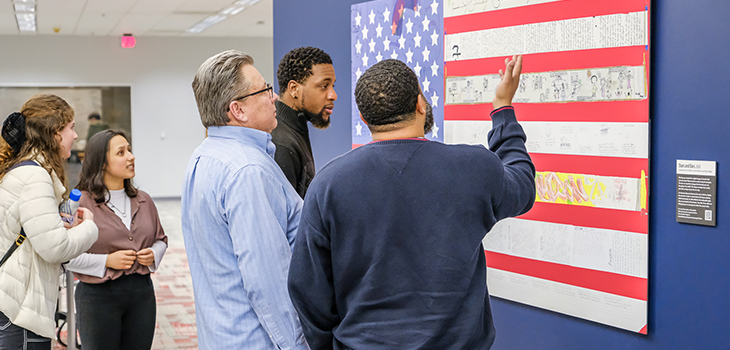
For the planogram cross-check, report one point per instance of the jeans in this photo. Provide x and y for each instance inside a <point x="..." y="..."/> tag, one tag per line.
<point x="13" y="337"/>
<point x="117" y="314"/>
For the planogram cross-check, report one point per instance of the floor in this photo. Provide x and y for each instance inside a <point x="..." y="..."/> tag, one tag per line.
<point x="175" y="327"/>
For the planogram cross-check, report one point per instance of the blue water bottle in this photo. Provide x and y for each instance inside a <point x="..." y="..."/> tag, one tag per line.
<point x="70" y="205"/>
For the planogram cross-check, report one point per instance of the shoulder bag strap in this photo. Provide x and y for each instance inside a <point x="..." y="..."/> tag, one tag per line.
<point x="18" y="241"/>
<point x="21" y="237"/>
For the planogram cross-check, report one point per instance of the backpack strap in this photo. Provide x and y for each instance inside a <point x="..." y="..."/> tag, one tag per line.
<point x="23" y="163"/>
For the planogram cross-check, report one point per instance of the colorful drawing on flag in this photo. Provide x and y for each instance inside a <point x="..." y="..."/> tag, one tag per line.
<point x="583" y="101"/>
<point x="406" y="30"/>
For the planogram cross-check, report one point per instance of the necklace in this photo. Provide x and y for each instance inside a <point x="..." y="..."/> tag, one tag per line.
<point x="123" y="213"/>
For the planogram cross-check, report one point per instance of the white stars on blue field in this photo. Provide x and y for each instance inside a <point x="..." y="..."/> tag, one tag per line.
<point x="409" y="23"/>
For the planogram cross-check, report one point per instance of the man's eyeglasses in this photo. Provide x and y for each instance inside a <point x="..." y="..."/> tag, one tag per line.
<point x="268" y="88"/>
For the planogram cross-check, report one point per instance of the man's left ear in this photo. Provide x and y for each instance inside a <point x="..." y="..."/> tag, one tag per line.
<point x="236" y="114"/>
<point x="293" y="89"/>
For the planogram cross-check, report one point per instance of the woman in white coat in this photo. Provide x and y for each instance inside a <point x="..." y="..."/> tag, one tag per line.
<point x="30" y="194"/>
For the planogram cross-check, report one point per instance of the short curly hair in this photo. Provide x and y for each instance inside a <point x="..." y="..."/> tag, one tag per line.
<point x="297" y="65"/>
<point x="387" y="93"/>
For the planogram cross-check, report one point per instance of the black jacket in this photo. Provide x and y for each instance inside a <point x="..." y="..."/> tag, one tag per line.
<point x="293" y="150"/>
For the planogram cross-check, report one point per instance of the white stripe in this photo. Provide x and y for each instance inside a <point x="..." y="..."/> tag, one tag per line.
<point x="465" y="7"/>
<point x="619" y="252"/>
<point x="579" y="85"/>
<point x="617" y="30"/>
<point x="629" y="140"/>
<point x="610" y="309"/>
<point x="569" y="138"/>
<point x="469" y="132"/>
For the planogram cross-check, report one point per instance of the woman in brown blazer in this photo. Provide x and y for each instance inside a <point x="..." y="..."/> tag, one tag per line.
<point x="115" y="299"/>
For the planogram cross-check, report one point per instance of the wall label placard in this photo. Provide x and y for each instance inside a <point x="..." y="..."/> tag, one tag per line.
<point x="696" y="192"/>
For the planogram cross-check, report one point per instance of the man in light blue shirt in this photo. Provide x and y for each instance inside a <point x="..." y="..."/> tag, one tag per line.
<point x="239" y="213"/>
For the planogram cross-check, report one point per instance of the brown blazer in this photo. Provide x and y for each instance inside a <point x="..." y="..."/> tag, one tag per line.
<point x="113" y="235"/>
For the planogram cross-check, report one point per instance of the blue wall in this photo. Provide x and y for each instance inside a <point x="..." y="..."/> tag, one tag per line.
<point x="689" y="266"/>
<point x="324" y="24"/>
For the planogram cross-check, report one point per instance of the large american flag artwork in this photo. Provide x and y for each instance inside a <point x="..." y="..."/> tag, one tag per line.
<point x="406" y="30"/>
<point x="583" y="101"/>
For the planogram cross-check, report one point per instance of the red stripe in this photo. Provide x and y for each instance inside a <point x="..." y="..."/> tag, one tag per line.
<point x="469" y="112"/>
<point x="612" y="283"/>
<point x="591" y="165"/>
<point x="610" y="219"/>
<point x="602" y="111"/>
<point x="356" y="145"/>
<point x="546" y="12"/>
<point x="554" y="61"/>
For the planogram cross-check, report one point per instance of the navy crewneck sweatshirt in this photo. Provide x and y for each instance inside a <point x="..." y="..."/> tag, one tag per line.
<point x="389" y="253"/>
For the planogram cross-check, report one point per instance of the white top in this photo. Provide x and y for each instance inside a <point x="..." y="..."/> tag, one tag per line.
<point x="119" y="203"/>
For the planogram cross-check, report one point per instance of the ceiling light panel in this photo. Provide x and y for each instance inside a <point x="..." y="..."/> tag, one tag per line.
<point x="226" y="12"/>
<point x="231" y="10"/>
<point x="24" y="7"/>
<point x="26" y="22"/>
<point x="205" y="23"/>
<point x="246" y="23"/>
<point x="25" y="15"/>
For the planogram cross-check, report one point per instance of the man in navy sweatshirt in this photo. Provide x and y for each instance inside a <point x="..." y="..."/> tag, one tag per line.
<point x="389" y="250"/>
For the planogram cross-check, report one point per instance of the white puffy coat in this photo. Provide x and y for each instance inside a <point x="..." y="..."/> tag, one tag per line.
<point x="30" y="197"/>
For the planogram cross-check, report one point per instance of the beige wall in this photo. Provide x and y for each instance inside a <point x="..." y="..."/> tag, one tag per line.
<point x="82" y="100"/>
<point x="165" y="123"/>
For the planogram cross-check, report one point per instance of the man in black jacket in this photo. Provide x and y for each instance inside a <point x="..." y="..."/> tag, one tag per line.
<point x="306" y="93"/>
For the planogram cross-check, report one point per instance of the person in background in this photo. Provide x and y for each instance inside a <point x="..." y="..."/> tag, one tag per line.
<point x="389" y="251"/>
<point x="36" y="142"/>
<point x="115" y="298"/>
<point x="95" y="125"/>
<point x="306" y="93"/>
<point x="239" y="213"/>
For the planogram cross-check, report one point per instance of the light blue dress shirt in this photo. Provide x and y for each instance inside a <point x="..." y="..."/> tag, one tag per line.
<point x="239" y="219"/>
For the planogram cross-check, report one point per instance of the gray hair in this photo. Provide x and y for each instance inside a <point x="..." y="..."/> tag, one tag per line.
<point x="218" y="81"/>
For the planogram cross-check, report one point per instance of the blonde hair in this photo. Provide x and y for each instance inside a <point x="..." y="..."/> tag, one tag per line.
<point x="46" y="116"/>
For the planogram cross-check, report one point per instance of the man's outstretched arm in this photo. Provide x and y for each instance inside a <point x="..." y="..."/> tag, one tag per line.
<point x="507" y="140"/>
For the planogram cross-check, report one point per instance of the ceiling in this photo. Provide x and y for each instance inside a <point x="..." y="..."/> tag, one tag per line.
<point x="140" y="18"/>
